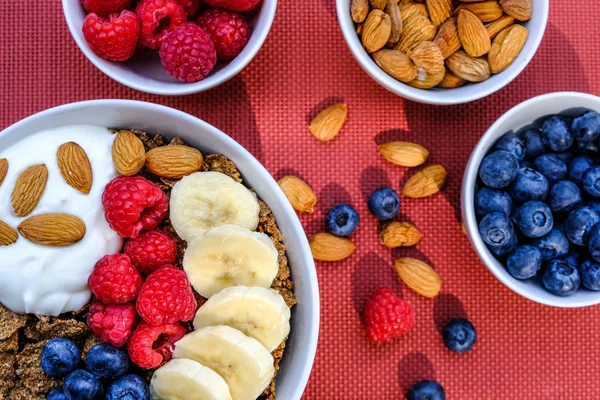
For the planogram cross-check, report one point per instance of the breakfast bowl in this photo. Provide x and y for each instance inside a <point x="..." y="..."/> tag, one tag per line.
<point x="529" y="114"/>
<point x="85" y="124"/>
<point x="454" y="92"/>
<point x="144" y="71"/>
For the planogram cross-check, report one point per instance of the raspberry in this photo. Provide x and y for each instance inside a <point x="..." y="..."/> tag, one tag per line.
<point x="105" y="7"/>
<point x="387" y="316"/>
<point x="151" y="250"/>
<point x="114" y="37"/>
<point x="115" y="280"/>
<point x="188" y="53"/>
<point x="189" y="6"/>
<point x="133" y="205"/>
<point x="166" y="297"/>
<point x="233" y="5"/>
<point x="112" y="323"/>
<point x="152" y="345"/>
<point x="158" y="17"/>
<point x="227" y="29"/>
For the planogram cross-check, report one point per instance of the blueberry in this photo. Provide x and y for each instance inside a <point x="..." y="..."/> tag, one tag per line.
<point x="552" y="167"/>
<point x="532" y="140"/>
<point x="528" y="185"/>
<point x="595" y="204"/>
<point x="342" y="220"/>
<point x="572" y="258"/>
<point x="578" y="166"/>
<point x="498" y="169"/>
<point x="553" y="245"/>
<point x="60" y="357"/>
<point x="57" y="394"/>
<point x="490" y="200"/>
<point x="586" y="128"/>
<point x="579" y="224"/>
<point x="128" y="387"/>
<point x="459" y="335"/>
<point x="560" y="278"/>
<point x="384" y="203"/>
<point x="498" y="233"/>
<point x="525" y="164"/>
<point x="525" y="262"/>
<point x="590" y="275"/>
<point x="564" y="196"/>
<point x="426" y="390"/>
<point x="594" y="243"/>
<point x="81" y="385"/>
<point x="556" y="133"/>
<point x="591" y="182"/>
<point x="566" y="156"/>
<point x="534" y="219"/>
<point x="511" y="143"/>
<point x="106" y="361"/>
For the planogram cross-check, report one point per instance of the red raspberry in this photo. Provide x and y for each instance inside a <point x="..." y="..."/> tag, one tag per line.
<point x="166" y="297"/>
<point x="227" y="29"/>
<point x="158" y="17"/>
<point x="190" y="6"/>
<point x="152" y="345"/>
<point x="387" y="316"/>
<point x="188" y="53"/>
<point x="151" y="250"/>
<point x="105" y="7"/>
<point x="112" y="323"/>
<point x="233" y="5"/>
<point x="115" y="280"/>
<point x="133" y="205"/>
<point x="114" y="37"/>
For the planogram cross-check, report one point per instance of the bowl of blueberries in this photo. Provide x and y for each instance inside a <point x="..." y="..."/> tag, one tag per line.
<point x="531" y="199"/>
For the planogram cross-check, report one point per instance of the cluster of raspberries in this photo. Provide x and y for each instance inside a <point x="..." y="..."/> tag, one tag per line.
<point x="189" y="44"/>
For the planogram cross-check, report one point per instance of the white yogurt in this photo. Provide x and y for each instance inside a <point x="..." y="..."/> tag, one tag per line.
<point x="53" y="280"/>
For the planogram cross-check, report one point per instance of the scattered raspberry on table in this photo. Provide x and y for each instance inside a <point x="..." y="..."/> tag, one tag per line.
<point x="227" y="29"/>
<point x="112" y="323"/>
<point x="114" y="37"/>
<point x="152" y="345"/>
<point x="151" y="250"/>
<point x="387" y="316"/>
<point x="115" y="280"/>
<point x="158" y="18"/>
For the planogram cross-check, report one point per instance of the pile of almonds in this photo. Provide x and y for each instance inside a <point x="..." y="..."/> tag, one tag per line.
<point x="432" y="43"/>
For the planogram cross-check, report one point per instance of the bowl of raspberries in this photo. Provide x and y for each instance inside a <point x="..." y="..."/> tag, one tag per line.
<point x="170" y="47"/>
<point x="531" y="199"/>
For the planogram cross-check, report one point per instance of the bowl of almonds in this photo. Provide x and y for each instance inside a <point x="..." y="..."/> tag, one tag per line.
<point x="443" y="51"/>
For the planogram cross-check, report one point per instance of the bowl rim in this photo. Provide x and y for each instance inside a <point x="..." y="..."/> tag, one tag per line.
<point x="243" y="59"/>
<point x="468" y="204"/>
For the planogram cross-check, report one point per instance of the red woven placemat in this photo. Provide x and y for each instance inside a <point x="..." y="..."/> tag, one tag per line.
<point x="525" y="350"/>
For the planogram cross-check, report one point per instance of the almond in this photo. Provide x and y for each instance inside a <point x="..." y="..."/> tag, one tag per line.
<point x="28" y="189"/>
<point x="173" y="161"/>
<point x="425" y="80"/>
<point x="426" y="182"/>
<point x="473" y="35"/>
<point x="439" y="10"/>
<point x="498" y="25"/>
<point x="416" y="30"/>
<point x="506" y="47"/>
<point x="3" y="169"/>
<point x="299" y="193"/>
<point x="468" y="68"/>
<point x="128" y="153"/>
<point x="410" y="9"/>
<point x="328" y="247"/>
<point x="486" y="11"/>
<point x="393" y="10"/>
<point x="396" y="64"/>
<point x="53" y="229"/>
<point x="419" y="276"/>
<point x="8" y="235"/>
<point x="405" y="154"/>
<point x="451" y="81"/>
<point x="359" y="28"/>
<point x="399" y="234"/>
<point x="378" y="4"/>
<point x="328" y="123"/>
<point x="359" y="10"/>
<point x="376" y="30"/>
<point x="75" y="167"/>
<point x="427" y="55"/>
<point x="447" y="38"/>
<point x="518" y="9"/>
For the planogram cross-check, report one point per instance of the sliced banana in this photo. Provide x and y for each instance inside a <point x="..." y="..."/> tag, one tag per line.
<point x="244" y="363"/>
<point x="184" y="379"/>
<point x="203" y="200"/>
<point x="258" y="312"/>
<point x="227" y="256"/>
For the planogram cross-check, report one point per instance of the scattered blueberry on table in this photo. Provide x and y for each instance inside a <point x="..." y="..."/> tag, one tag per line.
<point x="426" y="390"/>
<point x="384" y="203"/>
<point x="342" y="220"/>
<point x="459" y="335"/>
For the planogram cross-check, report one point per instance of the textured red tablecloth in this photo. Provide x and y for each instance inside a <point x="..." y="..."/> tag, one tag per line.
<point x="524" y="351"/>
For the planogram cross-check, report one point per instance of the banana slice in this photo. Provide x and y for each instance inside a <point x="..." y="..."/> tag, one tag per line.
<point x="203" y="200"/>
<point x="184" y="379"/>
<point x="258" y="312"/>
<point x="244" y="363"/>
<point x="227" y="256"/>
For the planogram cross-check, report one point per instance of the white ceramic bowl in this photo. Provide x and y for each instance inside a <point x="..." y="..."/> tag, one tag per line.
<point x="464" y="94"/>
<point x="522" y="115"/>
<point x="145" y="73"/>
<point x="302" y="344"/>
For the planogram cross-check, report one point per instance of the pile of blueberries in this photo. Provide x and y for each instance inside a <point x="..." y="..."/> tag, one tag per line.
<point x="538" y="204"/>
<point x="105" y="367"/>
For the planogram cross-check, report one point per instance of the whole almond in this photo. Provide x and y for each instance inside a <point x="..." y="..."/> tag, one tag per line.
<point x="439" y="10"/>
<point x="298" y="192"/>
<point x="53" y="229"/>
<point x="451" y="81"/>
<point x="427" y="55"/>
<point x="28" y="189"/>
<point x="416" y="29"/>
<point x="473" y="35"/>
<point x="518" y="9"/>
<point x="359" y="10"/>
<point x="8" y="235"/>
<point x="425" y="80"/>
<point x="399" y="234"/>
<point x="498" y="25"/>
<point x="75" y="167"/>
<point x="506" y="47"/>
<point x="419" y="276"/>
<point x="328" y="247"/>
<point x="328" y="123"/>
<point x="486" y="11"/>
<point x="447" y="38"/>
<point x="173" y="161"/>
<point x="128" y="153"/>
<point x="468" y="68"/>
<point x="396" y="64"/>
<point x="409" y="9"/>
<point x="378" y="4"/>
<point x="393" y="10"/>
<point x="376" y="30"/>
<point x="3" y="169"/>
<point x="426" y="182"/>
<point x="405" y="154"/>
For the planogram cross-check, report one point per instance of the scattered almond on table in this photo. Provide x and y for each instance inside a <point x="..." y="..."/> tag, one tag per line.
<point x="299" y="193"/>
<point x="327" y="247"/>
<point x="404" y="154"/>
<point x="399" y="234"/>
<point x="426" y="182"/>
<point x="418" y="276"/>
<point x="328" y="123"/>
